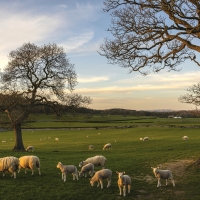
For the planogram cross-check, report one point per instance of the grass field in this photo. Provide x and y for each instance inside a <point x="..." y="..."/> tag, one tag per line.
<point x="165" y="148"/>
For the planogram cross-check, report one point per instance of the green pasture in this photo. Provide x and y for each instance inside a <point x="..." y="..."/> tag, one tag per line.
<point x="165" y="148"/>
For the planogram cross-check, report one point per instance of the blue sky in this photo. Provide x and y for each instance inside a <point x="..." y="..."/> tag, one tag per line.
<point x="80" y="27"/>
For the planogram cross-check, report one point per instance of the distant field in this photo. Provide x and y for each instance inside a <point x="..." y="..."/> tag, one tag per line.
<point x="50" y="121"/>
<point x="165" y="149"/>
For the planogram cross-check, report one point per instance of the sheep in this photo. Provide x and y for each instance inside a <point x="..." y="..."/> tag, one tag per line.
<point x="123" y="182"/>
<point x="100" y="175"/>
<point x="185" y="137"/>
<point x="88" y="168"/>
<point x="67" y="169"/>
<point x="10" y="164"/>
<point x="107" y="146"/>
<point x="91" y="147"/>
<point x="145" y="138"/>
<point x="162" y="174"/>
<point x="30" y="149"/>
<point x="141" y="139"/>
<point x="29" y="162"/>
<point x="96" y="161"/>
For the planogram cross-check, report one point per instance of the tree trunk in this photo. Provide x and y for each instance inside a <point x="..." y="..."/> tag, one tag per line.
<point x="19" y="146"/>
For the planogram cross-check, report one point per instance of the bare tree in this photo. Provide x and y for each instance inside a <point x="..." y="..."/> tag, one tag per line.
<point x="37" y="76"/>
<point x="150" y="35"/>
<point x="193" y="97"/>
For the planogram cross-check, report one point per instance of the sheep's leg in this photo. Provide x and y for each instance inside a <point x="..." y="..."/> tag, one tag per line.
<point x="101" y="183"/>
<point x="159" y="183"/>
<point x="109" y="182"/>
<point x="97" y="183"/>
<point x="25" y="171"/>
<point x="120" y="190"/>
<point x="19" y="169"/>
<point x="14" y="174"/>
<point x="32" y="171"/>
<point x="124" y="190"/>
<point x="39" y="171"/>
<point x="76" y="176"/>
<point x="129" y="188"/>
<point x="173" y="182"/>
<point x="73" y="176"/>
<point x="64" y="177"/>
<point x="166" y="181"/>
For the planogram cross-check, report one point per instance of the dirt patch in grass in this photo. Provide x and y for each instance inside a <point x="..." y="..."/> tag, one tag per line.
<point x="178" y="167"/>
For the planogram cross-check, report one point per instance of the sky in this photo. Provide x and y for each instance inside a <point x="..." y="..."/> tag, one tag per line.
<point x="80" y="26"/>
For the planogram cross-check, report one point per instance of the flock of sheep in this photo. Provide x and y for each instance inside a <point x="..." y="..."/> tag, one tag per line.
<point x="13" y="165"/>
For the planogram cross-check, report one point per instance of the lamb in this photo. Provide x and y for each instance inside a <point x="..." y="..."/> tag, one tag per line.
<point x="124" y="181"/>
<point x="30" y="149"/>
<point x="10" y="164"/>
<point x="100" y="175"/>
<point x="88" y="168"/>
<point x="107" y="146"/>
<point x="91" y="147"/>
<point x="29" y="162"/>
<point x="96" y="161"/>
<point x="185" y="137"/>
<point x="67" y="169"/>
<point x="145" y="138"/>
<point x="162" y="174"/>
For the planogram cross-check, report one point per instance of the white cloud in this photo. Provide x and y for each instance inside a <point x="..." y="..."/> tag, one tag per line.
<point x="93" y="79"/>
<point x="76" y="42"/>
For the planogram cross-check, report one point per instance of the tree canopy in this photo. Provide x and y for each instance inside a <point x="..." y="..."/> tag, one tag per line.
<point x="151" y="35"/>
<point x="37" y="76"/>
<point x="193" y="95"/>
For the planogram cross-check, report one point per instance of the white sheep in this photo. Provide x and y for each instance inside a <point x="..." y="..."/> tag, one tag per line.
<point x="141" y="139"/>
<point x="100" y="175"/>
<point x="185" y="137"/>
<point x="107" y="146"/>
<point x="10" y="164"/>
<point x="30" y="149"/>
<point x="88" y="168"/>
<point x="91" y="147"/>
<point x="29" y="162"/>
<point x="162" y="174"/>
<point x="145" y="138"/>
<point x="124" y="181"/>
<point x="67" y="169"/>
<point x="96" y="161"/>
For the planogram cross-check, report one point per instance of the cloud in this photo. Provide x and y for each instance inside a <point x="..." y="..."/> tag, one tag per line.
<point x="74" y="43"/>
<point x="93" y="79"/>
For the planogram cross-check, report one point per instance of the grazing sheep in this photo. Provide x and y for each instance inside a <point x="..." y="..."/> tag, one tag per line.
<point x="29" y="162"/>
<point x="123" y="182"/>
<point x="145" y="138"/>
<point x="185" y="137"/>
<point x="141" y="139"/>
<point x="162" y="174"/>
<point x="96" y="161"/>
<point x="100" y="175"/>
<point x="67" y="169"/>
<point x="30" y="149"/>
<point x="10" y="164"/>
<point x="91" y="147"/>
<point x="88" y="168"/>
<point x="107" y="146"/>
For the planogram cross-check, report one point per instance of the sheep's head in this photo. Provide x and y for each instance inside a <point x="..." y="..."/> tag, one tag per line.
<point x="91" y="182"/>
<point x="155" y="169"/>
<point x="59" y="164"/>
<point x="120" y="174"/>
<point x="81" y="164"/>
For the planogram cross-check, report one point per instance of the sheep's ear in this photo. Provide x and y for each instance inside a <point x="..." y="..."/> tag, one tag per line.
<point x="151" y="167"/>
<point x="157" y="167"/>
<point x="117" y="172"/>
<point x="124" y="172"/>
